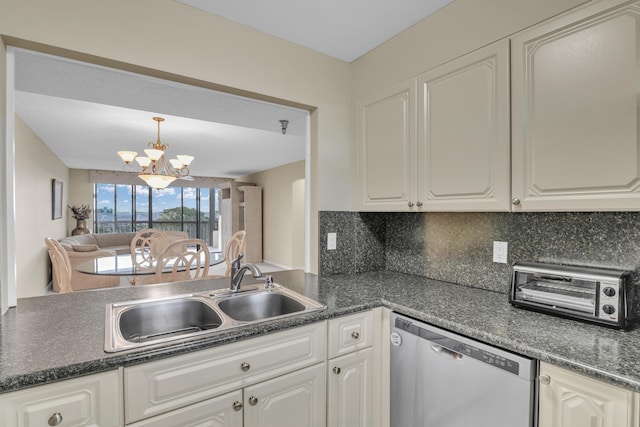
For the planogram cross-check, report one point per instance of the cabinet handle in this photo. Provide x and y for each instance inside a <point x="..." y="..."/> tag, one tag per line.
<point x="355" y="335"/>
<point x="253" y="401"/>
<point x="410" y="204"/>
<point x="237" y="406"/>
<point x="545" y="379"/>
<point x="336" y="370"/>
<point x="55" y="419"/>
<point x="245" y="366"/>
<point x="418" y="203"/>
<point x="515" y="201"/>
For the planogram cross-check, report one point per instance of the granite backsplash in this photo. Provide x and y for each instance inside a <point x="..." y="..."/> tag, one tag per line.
<point x="458" y="247"/>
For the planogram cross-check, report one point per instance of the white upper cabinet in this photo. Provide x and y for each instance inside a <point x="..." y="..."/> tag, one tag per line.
<point x="459" y="160"/>
<point x="463" y="133"/>
<point x="575" y="117"/>
<point x="386" y="144"/>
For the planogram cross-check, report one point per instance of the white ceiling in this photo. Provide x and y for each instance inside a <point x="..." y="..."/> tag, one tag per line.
<point x="86" y="113"/>
<point x="344" y="29"/>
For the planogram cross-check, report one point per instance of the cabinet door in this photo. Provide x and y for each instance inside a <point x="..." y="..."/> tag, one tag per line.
<point x="386" y="145"/>
<point x="463" y="133"/>
<point x="164" y="385"/>
<point x="572" y="400"/>
<point x="575" y="110"/>
<point x="350" y="386"/>
<point x="222" y="411"/>
<point x="297" y="399"/>
<point x="91" y="401"/>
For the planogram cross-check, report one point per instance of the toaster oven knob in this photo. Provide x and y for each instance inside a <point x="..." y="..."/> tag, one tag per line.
<point x="609" y="309"/>
<point x="609" y="291"/>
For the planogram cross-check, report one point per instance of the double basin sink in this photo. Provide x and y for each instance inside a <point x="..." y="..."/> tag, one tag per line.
<point x="141" y="323"/>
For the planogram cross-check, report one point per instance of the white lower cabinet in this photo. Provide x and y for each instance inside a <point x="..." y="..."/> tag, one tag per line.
<point x="350" y="372"/>
<point x="221" y="411"/>
<point x="91" y="401"/>
<point x="293" y="400"/>
<point x="350" y="390"/>
<point x="276" y="379"/>
<point x="568" y="399"/>
<point x="296" y="399"/>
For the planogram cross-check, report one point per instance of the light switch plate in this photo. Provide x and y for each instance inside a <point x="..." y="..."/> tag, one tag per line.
<point x="331" y="241"/>
<point x="500" y="252"/>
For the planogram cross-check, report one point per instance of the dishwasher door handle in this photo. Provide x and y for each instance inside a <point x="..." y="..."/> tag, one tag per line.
<point x="445" y="352"/>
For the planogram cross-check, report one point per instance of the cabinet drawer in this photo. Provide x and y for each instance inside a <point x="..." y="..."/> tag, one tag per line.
<point x="219" y="411"/>
<point x="164" y="385"/>
<point x="88" y="401"/>
<point x="350" y="333"/>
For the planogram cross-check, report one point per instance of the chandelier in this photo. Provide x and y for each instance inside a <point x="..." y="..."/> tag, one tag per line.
<point x="156" y="172"/>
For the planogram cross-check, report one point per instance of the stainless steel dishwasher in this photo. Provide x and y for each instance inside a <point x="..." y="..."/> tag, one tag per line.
<point x="441" y="379"/>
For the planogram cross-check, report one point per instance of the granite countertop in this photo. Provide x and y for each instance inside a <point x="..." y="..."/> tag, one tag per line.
<point x="46" y="339"/>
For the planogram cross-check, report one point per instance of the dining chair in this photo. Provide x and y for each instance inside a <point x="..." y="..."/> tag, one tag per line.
<point x="142" y="254"/>
<point x="160" y="243"/>
<point x="233" y="248"/>
<point x="61" y="265"/>
<point x="185" y="259"/>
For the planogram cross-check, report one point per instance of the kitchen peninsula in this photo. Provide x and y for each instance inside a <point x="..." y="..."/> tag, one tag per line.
<point x="76" y="321"/>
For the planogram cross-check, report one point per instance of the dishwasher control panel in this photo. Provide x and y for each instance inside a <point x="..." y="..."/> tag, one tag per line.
<point x="457" y="348"/>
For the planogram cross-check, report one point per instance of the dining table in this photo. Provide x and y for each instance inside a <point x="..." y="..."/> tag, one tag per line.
<point x="123" y="265"/>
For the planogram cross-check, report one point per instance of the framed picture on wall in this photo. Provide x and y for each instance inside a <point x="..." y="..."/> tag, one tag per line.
<point x="56" y="199"/>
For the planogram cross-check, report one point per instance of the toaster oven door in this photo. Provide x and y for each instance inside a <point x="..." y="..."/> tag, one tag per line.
<point x="555" y="291"/>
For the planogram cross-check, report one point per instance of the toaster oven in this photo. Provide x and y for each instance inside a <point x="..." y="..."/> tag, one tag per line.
<point x="592" y="294"/>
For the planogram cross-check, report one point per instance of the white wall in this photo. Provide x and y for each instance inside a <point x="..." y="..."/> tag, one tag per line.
<point x="36" y="166"/>
<point x="282" y="213"/>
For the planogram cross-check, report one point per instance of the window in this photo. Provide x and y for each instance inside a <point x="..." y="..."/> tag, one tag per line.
<point x="124" y="208"/>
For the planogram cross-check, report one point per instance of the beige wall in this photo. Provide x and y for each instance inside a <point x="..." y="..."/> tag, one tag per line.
<point x="460" y="27"/>
<point x="36" y="166"/>
<point x="168" y="36"/>
<point x="80" y="193"/>
<point x="282" y="213"/>
<point x="4" y="272"/>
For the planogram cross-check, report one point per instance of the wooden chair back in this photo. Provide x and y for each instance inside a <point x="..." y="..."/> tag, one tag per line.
<point x="186" y="259"/>
<point x="141" y="246"/>
<point x="161" y="241"/>
<point x="61" y="265"/>
<point x="233" y="248"/>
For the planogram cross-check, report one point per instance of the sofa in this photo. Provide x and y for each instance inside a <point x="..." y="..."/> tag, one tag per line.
<point x="116" y="243"/>
<point x="85" y="247"/>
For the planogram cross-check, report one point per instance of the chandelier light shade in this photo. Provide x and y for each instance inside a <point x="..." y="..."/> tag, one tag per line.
<point x="127" y="156"/>
<point x="156" y="172"/>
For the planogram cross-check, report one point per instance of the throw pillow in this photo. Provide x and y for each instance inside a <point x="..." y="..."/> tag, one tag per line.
<point x="85" y="248"/>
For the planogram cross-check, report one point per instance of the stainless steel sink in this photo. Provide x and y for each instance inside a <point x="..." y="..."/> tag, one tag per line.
<point x="150" y="322"/>
<point x="259" y="306"/>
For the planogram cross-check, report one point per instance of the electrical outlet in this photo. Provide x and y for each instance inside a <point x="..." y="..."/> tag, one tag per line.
<point x="500" y="252"/>
<point x="331" y="241"/>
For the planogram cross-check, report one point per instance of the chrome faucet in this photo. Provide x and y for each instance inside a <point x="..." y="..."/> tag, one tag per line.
<point x="238" y="270"/>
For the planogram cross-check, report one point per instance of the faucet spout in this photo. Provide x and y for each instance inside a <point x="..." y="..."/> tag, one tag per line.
<point x="238" y="271"/>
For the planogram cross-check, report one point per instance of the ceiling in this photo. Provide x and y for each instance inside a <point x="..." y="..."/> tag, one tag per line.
<point x="343" y="29"/>
<point x="86" y="113"/>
